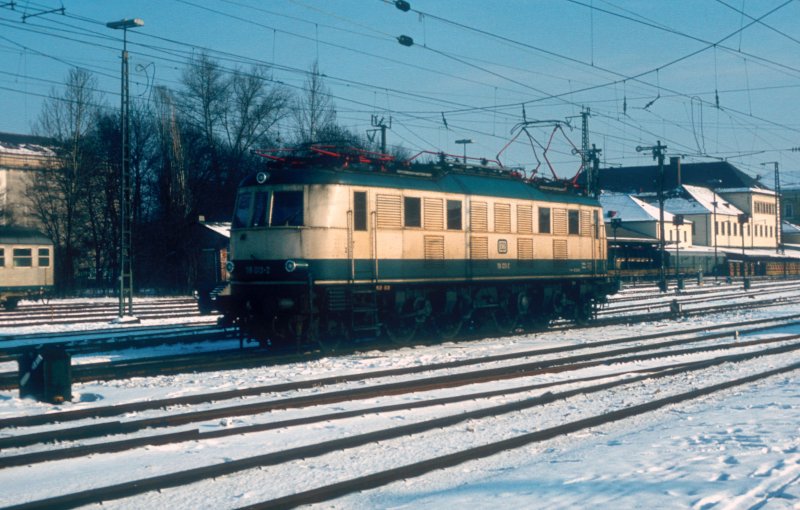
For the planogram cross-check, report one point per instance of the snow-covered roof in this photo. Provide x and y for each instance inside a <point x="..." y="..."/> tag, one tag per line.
<point x="222" y="228"/>
<point x="699" y="200"/>
<point x="789" y="228"/>
<point x="629" y="208"/>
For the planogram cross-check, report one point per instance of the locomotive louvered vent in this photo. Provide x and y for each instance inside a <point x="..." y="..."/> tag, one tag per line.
<point x="524" y="219"/>
<point x="389" y="211"/>
<point x="434" y="214"/>
<point x="560" y="222"/>
<point x="560" y="249"/>
<point x="479" y="217"/>
<point x="524" y="249"/>
<point x="434" y="247"/>
<point x="502" y="218"/>
<point x="479" y="248"/>
<point x="586" y="223"/>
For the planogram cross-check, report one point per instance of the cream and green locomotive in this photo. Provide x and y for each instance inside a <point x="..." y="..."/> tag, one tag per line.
<point x="329" y="246"/>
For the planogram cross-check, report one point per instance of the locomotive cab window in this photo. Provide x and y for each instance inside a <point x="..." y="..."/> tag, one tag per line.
<point x="454" y="215"/>
<point x="287" y="209"/>
<point x="412" y="212"/>
<point x="544" y="220"/>
<point x="573" y="222"/>
<point x="23" y="257"/>
<point x="44" y="257"/>
<point x="242" y="213"/>
<point x="359" y="210"/>
<point x="260" y="209"/>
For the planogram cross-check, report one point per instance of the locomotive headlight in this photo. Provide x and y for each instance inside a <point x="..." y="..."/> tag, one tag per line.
<point x="261" y="177"/>
<point x="230" y="266"/>
<point x="293" y="265"/>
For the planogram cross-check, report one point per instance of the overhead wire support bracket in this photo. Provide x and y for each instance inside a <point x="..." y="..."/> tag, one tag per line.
<point x="60" y="10"/>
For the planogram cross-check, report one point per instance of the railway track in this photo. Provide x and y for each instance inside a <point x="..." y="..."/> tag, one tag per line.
<point x="539" y="384"/>
<point x="233" y="359"/>
<point x="56" y="313"/>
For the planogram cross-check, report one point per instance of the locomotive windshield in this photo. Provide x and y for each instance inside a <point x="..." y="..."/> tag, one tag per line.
<point x="253" y="209"/>
<point x="287" y="209"/>
<point x="241" y="216"/>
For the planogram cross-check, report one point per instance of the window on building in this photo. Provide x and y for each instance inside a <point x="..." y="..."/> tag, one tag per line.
<point x="412" y="212"/>
<point x="544" y="220"/>
<point x="573" y="223"/>
<point x="454" y="215"/>
<point x="2" y="257"/>
<point x="287" y="209"/>
<point x="735" y="229"/>
<point x="788" y="210"/>
<point x="716" y="228"/>
<point x="360" y="210"/>
<point x="44" y="257"/>
<point x="23" y="257"/>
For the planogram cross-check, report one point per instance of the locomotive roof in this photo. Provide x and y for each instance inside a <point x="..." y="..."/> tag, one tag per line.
<point x="487" y="183"/>
<point x="22" y="235"/>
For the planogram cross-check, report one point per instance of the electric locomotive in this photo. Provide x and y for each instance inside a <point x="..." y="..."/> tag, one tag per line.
<point x="329" y="244"/>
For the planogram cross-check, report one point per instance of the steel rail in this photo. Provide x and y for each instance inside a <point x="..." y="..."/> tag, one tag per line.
<point x="119" y="409"/>
<point x="572" y="363"/>
<point x="134" y="487"/>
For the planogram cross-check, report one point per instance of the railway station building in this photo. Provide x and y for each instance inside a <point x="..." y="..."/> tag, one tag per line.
<point x="21" y="156"/>
<point x="727" y="207"/>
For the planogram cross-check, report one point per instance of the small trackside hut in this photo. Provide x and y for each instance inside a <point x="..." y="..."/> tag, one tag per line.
<point x="331" y="244"/>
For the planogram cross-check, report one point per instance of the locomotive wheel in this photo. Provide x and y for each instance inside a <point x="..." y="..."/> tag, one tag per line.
<point x="506" y="315"/>
<point x="448" y="324"/>
<point x="583" y="313"/>
<point x="332" y="334"/>
<point x="403" y="326"/>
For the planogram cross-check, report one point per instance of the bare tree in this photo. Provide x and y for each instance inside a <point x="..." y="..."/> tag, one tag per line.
<point x="205" y="94"/>
<point x="56" y="194"/>
<point x="314" y="111"/>
<point x="254" y="110"/>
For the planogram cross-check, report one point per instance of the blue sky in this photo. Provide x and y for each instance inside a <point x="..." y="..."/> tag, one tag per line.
<point x="648" y="70"/>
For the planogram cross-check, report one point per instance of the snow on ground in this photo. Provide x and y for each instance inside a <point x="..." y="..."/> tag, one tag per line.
<point x="736" y="449"/>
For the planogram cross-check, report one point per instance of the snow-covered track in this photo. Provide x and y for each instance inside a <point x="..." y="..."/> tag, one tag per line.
<point x="325" y="492"/>
<point x="56" y="313"/>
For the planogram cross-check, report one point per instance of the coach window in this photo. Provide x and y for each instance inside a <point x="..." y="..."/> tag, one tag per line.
<point x="573" y="222"/>
<point x="261" y="209"/>
<point x="411" y="212"/>
<point x="23" y="257"/>
<point x="359" y="210"/>
<point x="287" y="209"/>
<point x="454" y="215"/>
<point x="44" y="257"/>
<point x="242" y="213"/>
<point x="544" y="220"/>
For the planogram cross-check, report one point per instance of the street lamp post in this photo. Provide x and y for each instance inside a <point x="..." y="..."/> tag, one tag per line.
<point x="658" y="154"/>
<point x="677" y="220"/>
<point x="743" y="219"/>
<point x="714" y="183"/>
<point x="464" y="142"/>
<point x="125" y="245"/>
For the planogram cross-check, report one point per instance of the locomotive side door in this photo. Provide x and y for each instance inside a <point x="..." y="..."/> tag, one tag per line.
<point x="361" y="239"/>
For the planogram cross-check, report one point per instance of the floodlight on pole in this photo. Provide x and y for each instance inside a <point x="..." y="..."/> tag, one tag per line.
<point x="125" y="209"/>
<point x="465" y="142"/>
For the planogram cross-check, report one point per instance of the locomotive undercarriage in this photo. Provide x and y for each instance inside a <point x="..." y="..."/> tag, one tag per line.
<point x="329" y="316"/>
